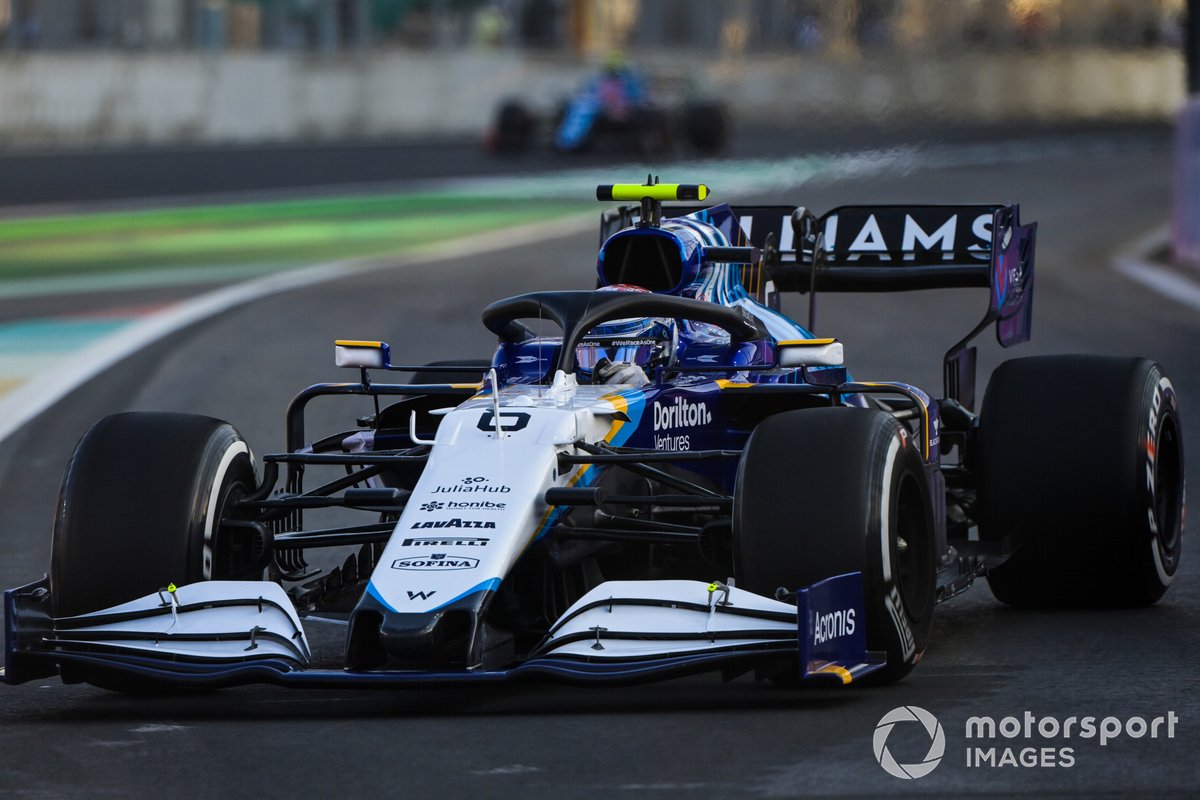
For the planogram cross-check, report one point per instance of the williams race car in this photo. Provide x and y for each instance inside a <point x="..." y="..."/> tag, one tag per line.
<point x="680" y="479"/>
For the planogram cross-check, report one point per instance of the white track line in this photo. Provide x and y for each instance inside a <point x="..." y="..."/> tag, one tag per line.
<point x="26" y="402"/>
<point x="1135" y="264"/>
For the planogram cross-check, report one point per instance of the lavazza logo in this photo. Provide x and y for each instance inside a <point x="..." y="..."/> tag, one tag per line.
<point x="1018" y="742"/>
<point x="454" y="523"/>
<point x="680" y="413"/>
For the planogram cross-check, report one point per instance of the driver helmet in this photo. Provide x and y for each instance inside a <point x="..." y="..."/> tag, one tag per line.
<point x="647" y="342"/>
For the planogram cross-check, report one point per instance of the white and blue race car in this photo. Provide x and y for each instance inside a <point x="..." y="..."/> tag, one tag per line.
<point x="679" y="479"/>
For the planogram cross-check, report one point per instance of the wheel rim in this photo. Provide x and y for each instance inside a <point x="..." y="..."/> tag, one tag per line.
<point x="910" y="545"/>
<point x="234" y="551"/>
<point x="1168" y="488"/>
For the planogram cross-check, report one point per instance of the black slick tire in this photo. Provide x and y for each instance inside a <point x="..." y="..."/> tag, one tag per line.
<point x="140" y="507"/>
<point x="1081" y="469"/>
<point x="826" y="491"/>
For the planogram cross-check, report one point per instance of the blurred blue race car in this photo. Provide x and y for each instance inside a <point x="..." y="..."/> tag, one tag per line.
<point x="614" y="110"/>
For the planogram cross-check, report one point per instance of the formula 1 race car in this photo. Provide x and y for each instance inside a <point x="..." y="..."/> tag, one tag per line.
<point x="615" y="109"/>
<point x="681" y="479"/>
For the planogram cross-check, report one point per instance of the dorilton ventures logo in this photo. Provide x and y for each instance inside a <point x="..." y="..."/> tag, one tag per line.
<point x="681" y="413"/>
<point x="930" y="728"/>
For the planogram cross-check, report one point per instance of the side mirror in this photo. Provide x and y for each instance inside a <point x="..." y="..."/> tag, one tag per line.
<point x="811" y="353"/>
<point x="362" y="355"/>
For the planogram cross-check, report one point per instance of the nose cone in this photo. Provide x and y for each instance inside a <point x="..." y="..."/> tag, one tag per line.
<point x="450" y="637"/>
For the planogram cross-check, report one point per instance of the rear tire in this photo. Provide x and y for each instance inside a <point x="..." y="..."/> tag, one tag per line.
<point x="706" y="126"/>
<point x="821" y="492"/>
<point x="140" y="507"/>
<point x="513" y="129"/>
<point x="1090" y="488"/>
<point x="651" y="132"/>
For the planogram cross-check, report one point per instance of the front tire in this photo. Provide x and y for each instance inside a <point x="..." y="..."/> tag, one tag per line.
<point x="140" y="507"/>
<point x="1081" y="467"/>
<point x="821" y="492"/>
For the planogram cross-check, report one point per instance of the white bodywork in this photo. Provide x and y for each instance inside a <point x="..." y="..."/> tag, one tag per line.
<point x="663" y="609"/>
<point x="187" y="622"/>
<point x="479" y="502"/>
<point x="478" y="505"/>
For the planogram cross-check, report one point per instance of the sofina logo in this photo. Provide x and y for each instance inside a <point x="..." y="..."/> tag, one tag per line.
<point x="437" y="562"/>
<point x="932" y="728"/>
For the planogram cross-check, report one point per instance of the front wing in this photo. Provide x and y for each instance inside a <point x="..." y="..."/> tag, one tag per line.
<point x="228" y="633"/>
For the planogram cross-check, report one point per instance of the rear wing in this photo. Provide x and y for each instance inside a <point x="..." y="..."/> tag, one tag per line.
<point x="884" y="248"/>
<point x="888" y="248"/>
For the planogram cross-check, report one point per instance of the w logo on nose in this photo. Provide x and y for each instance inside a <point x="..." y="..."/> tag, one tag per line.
<point x="421" y="595"/>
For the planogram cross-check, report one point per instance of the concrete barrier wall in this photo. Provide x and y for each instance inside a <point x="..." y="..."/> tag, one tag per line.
<point x="106" y="98"/>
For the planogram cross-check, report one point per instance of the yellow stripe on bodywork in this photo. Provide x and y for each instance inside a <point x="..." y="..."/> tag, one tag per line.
<point x="838" y="670"/>
<point x="810" y="342"/>
<point x="357" y="343"/>
<point x="621" y="404"/>
<point x="728" y="384"/>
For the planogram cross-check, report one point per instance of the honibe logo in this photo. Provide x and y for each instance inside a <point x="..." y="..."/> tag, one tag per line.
<point x="929" y="726"/>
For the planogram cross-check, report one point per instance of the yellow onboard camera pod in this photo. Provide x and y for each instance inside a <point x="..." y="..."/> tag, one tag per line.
<point x="659" y="191"/>
<point x="356" y="353"/>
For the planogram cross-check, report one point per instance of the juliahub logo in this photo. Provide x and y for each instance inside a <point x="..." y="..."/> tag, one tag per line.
<point x="475" y="484"/>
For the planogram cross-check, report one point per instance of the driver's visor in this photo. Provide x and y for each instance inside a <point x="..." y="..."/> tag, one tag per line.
<point x="643" y="351"/>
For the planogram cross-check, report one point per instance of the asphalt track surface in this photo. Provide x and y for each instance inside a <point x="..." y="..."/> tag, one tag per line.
<point x="35" y="178"/>
<point x="684" y="738"/>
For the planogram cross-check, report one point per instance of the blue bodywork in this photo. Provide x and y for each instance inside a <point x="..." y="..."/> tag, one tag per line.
<point x="694" y="400"/>
<point x="614" y="95"/>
